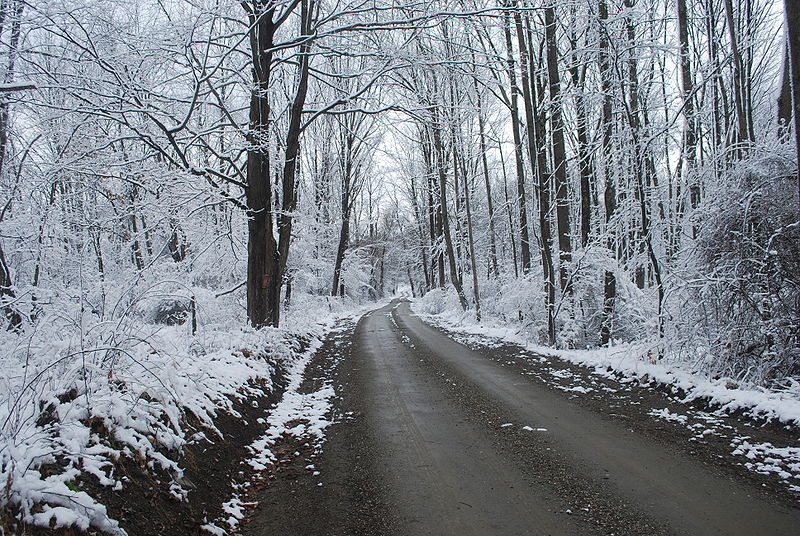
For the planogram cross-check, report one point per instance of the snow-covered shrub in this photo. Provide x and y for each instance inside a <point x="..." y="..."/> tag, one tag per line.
<point x="747" y="291"/>
<point x="519" y="302"/>
<point x="438" y="301"/>
<point x="98" y="375"/>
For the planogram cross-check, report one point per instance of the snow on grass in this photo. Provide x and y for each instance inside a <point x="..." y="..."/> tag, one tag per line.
<point x="78" y="392"/>
<point x="303" y="416"/>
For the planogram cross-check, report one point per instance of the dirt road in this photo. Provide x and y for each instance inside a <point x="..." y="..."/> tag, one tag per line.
<point x="436" y="438"/>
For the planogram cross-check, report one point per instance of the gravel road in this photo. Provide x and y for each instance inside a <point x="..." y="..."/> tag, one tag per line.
<point x="436" y="438"/>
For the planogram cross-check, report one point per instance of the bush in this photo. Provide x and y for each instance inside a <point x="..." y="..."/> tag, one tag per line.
<point x="749" y="260"/>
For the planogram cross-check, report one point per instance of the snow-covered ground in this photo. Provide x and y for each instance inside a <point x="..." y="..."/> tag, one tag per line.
<point x="301" y="415"/>
<point x="76" y="394"/>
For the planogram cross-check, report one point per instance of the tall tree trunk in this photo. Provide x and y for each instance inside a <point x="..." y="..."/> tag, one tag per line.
<point x="537" y="156"/>
<point x="785" y="103"/>
<point x="578" y="75"/>
<point x="475" y="289"/>
<point x="267" y="258"/>
<point x="7" y="293"/>
<point x="493" y="268"/>
<point x="793" y="32"/>
<point x="421" y="231"/>
<point x="6" y="284"/>
<point x="262" y="261"/>
<point x="645" y="231"/>
<point x="136" y="248"/>
<point x="434" y="213"/>
<point x="337" y="289"/>
<point x="509" y="212"/>
<point x="744" y="128"/>
<point x="441" y="158"/>
<point x="584" y="152"/>
<point x="559" y="149"/>
<point x="689" y="133"/>
<point x="515" y="128"/>
<point x="292" y="154"/>
<point x="610" y="194"/>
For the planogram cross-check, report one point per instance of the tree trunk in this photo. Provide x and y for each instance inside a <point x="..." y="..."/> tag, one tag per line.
<point x="475" y="289"/>
<point x="785" y="96"/>
<point x="793" y="31"/>
<point x="337" y="288"/>
<point x="744" y="126"/>
<point x="7" y="293"/>
<point x="493" y="269"/>
<point x="559" y="150"/>
<point x="292" y="154"/>
<point x="441" y="158"/>
<point x="533" y="90"/>
<point x="262" y="262"/>
<point x="689" y="133"/>
<point x="344" y="237"/>
<point x="584" y="156"/>
<point x="266" y="262"/>
<point x="6" y="284"/>
<point x="421" y="230"/>
<point x="525" y="249"/>
<point x="610" y="194"/>
<point x="509" y="212"/>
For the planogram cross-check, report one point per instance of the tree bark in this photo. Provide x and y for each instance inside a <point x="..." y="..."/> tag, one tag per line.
<point x="689" y="133"/>
<point x="533" y="92"/>
<point x="441" y="158"/>
<point x="262" y="262"/>
<point x="793" y="31"/>
<point x="493" y="268"/>
<point x="610" y="194"/>
<point x="337" y="288"/>
<point x="475" y="289"/>
<point x="785" y="104"/>
<point x="744" y="120"/>
<point x="525" y="250"/>
<point x="559" y="150"/>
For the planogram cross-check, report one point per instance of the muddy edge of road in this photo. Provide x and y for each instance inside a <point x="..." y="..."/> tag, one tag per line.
<point x="342" y="491"/>
<point x="336" y="490"/>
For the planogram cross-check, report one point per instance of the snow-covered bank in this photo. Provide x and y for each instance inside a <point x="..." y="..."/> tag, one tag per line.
<point x="78" y="395"/>
<point x="300" y="415"/>
<point x="635" y="361"/>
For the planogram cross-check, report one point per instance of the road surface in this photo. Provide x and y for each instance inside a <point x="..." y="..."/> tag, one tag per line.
<point x="436" y="438"/>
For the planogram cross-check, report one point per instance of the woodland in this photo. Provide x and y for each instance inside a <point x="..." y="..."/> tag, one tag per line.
<point x="588" y="172"/>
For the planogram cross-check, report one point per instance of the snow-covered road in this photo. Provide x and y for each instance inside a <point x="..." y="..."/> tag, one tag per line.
<point x="434" y="438"/>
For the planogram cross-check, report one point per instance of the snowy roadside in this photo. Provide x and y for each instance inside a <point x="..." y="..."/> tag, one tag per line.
<point x="79" y="399"/>
<point x="301" y="416"/>
<point x="705" y="407"/>
<point x="636" y="361"/>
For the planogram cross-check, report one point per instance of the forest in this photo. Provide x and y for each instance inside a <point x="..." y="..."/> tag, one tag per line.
<point x="183" y="179"/>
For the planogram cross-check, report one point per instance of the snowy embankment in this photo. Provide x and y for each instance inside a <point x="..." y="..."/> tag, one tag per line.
<point x="299" y="415"/>
<point x="77" y="395"/>
<point x="631" y="360"/>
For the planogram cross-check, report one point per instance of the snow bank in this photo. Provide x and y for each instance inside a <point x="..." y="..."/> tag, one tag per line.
<point x="300" y="415"/>
<point x="77" y="393"/>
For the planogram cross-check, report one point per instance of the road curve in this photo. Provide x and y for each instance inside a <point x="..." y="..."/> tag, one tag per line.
<point x="681" y="494"/>
<point x="458" y="444"/>
<point x="443" y="474"/>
